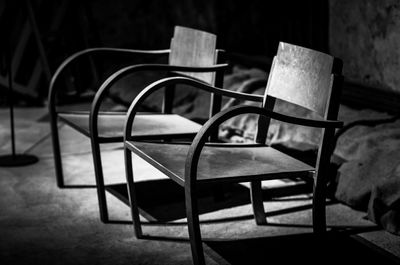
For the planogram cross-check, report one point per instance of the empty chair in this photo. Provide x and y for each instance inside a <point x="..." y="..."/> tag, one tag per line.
<point x="192" y="53"/>
<point x="298" y="75"/>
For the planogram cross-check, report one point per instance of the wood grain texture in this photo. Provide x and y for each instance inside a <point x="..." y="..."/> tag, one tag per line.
<point x="301" y="76"/>
<point x="190" y="47"/>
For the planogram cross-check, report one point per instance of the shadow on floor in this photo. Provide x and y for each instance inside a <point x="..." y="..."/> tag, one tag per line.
<point x="336" y="248"/>
<point x="164" y="201"/>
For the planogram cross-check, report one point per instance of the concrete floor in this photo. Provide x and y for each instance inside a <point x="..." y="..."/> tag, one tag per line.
<point x="42" y="224"/>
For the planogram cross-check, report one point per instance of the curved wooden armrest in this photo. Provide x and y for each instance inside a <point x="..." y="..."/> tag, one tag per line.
<point x="107" y="84"/>
<point x="179" y="80"/>
<point x="78" y="55"/>
<point x="252" y="84"/>
<point x="212" y="124"/>
<point x="304" y="121"/>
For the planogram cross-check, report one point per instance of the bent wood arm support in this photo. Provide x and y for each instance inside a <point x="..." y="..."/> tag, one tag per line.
<point x="107" y="84"/>
<point x="88" y="52"/>
<point x="173" y="81"/>
<point x="101" y="93"/>
<point x="249" y="86"/>
<point x="200" y="140"/>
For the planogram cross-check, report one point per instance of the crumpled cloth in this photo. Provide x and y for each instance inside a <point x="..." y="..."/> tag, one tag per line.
<point x="369" y="179"/>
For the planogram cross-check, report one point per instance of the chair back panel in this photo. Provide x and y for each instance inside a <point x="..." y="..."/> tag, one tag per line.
<point x="190" y="47"/>
<point x="301" y="76"/>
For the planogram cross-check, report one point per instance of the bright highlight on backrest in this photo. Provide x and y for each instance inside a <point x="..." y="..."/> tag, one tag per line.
<point x="190" y="47"/>
<point x="301" y="76"/>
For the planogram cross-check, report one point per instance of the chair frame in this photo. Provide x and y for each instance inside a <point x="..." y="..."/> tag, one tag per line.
<point x="328" y="125"/>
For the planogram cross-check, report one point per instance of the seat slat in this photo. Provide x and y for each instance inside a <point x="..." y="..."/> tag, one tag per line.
<point x="145" y="126"/>
<point x="221" y="163"/>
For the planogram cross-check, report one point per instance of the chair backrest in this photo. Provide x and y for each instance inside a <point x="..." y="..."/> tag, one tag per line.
<point x="190" y="47"/>
<point x="303" y="77"/>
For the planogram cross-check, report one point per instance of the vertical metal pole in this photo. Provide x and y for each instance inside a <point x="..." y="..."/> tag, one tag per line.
<point x="14" y="159"/>
<point x="10" y="97"/>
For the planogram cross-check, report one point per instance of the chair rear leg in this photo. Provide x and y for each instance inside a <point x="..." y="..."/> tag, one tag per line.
<point x="319" y="210"/>
<point x="56" y="151"/>
<point x="320" y="181"/>
<point x="132" y="194"/>
<point x="257" y="202"/>
<point x="98" y="171"/>
<point x="192" y="213"/>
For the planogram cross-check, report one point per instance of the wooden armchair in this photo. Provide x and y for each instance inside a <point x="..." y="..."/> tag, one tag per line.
<point x="299" y="76"/>
<point x="192" y="53"/>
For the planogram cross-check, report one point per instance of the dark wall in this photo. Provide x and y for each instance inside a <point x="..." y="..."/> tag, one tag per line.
<point x="256" y="27"/>
<point x="148" y="24"/>
<point x="366" y="35"/>
<point x="250" y="27"/>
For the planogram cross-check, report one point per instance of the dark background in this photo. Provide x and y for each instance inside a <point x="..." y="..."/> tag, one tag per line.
<point x="248" y="30"/>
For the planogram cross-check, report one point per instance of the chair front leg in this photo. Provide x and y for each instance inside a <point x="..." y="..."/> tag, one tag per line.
<point x="56" y="150"/>
<point x="98" y="172"/>
<point x="192" y="213"/>
<point x="132" y="193"/>
<point x="257" y="202"/>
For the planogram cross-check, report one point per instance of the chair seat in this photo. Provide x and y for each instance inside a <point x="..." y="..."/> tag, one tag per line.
<point x="222" y="163"/>
<point x="145" y="126"/>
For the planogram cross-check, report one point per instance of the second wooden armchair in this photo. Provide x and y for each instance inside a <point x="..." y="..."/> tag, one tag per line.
<point x="192" y="53"/>
<point x="298" y="75"/>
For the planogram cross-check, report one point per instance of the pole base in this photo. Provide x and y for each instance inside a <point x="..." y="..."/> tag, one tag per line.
<point x="17" y="160"/>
